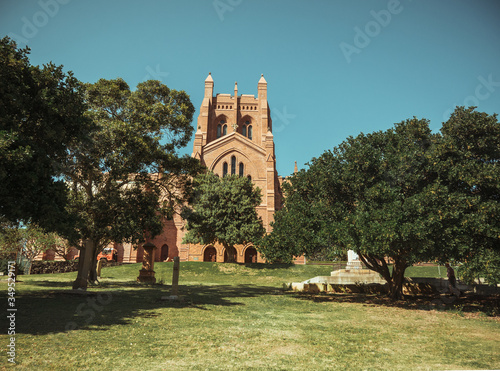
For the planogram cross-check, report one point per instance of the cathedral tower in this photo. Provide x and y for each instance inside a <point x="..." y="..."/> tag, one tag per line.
<point x="234" y="136"/>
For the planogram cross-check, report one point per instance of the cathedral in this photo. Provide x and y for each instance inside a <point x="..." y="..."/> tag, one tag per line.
<point x="233" y="137"/>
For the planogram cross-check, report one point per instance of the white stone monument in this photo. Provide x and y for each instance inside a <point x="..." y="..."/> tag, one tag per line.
<point x="353" y="261"/>
<point x="353" y="274"/>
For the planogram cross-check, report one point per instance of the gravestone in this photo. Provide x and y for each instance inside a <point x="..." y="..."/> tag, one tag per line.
<point x="175" y="279"/>
<point x="99" y="267"/>
<point x="175" y="282"/>
<point x="353" y="261"/>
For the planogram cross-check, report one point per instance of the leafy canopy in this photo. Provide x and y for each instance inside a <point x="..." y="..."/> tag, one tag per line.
<point x="223" y="211"/>
<point x="128" y="177"/>
<point x="404" y="195"/>
<point x="470" y="166"/>
<point x="41" y="116"/>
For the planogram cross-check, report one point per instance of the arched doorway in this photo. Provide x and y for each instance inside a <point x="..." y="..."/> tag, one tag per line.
<point x="250" y="255"/>
<point x="210" y="254"/>
<point x="164" y="253"/>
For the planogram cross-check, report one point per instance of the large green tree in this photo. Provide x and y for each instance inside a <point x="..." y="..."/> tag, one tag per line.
<point x="376" y="194"/>
<point x="41" y="115"/>
<point x="128" y="178"/>
<point x="35" y="242"/>
<point x="399" y="197"/>
<point x="24" y="243"/>
<point x="223" y="211"/>
<point x="469" y="160"/>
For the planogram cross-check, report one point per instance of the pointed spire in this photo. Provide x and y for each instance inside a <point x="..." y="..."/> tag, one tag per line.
<point x="209" y="86"/>
<point x="295" y="169"/>
<point x="262" y="88"/>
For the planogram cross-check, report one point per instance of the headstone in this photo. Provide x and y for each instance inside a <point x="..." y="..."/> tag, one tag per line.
<point x="175" y="278"/>
<point x="99" y="267"/>
<point x="175" y="282"/>
<point x="353" y="261"/>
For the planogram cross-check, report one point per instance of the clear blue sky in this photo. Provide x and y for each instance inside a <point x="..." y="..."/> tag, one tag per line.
<point x="334" y="68"/>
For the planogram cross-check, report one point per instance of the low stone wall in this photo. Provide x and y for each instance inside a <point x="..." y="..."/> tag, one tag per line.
<point x="44" y="266"/>
<point x="441" y="284"/>
<point x="315" y="288"/>
<point x="412" y="286"/>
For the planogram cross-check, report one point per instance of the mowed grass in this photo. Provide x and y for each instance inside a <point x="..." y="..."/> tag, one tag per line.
<point x="234" y="317"/>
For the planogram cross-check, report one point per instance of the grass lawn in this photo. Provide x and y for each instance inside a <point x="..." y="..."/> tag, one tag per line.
<point x="237" y="317"/>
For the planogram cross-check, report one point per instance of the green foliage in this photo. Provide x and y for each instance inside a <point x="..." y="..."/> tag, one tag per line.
<point x="136" y="134"/>
<point x="404" y="194"/>
<point x="11" y="240"/>
<point x="41" y="115"/>
<point x="470" y="163"/>
<point x="223" y="211"/>
<point x="481" y="266"/>
<point x="36" y="241"/>
<point x="296" y="227"/>
<point x="128" y="177"/>
<point x="24" y="243"/>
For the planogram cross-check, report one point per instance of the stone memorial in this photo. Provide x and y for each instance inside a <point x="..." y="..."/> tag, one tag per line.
<point x="353" y="261"/>
<point x="353" y="274"/>
<point x="147" y="273"/>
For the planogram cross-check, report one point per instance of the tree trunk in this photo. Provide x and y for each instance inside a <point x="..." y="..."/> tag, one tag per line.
<point x="394" y="281"/>
<point x="84" y="264"/>
<point x="231" y="254"/>
<point x="93" y="268"/>
<point x="397" y="281"/>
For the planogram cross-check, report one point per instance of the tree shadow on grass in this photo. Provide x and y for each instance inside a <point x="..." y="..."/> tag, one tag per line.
<point x="54" y="311"/>
<point x="268" y="266"/>
<point x="468" y="304"/>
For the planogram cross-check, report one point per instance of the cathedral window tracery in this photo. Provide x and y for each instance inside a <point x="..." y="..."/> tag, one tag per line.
<point x="221" y="128"/>
<point x="233" y="165"/>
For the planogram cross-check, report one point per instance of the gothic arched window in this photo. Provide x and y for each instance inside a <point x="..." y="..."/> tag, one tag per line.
<point x="219" y="130"/>
<point x="244" y="130"/>
<point x="224" y="130"/>
<point x="250" y="132"/>
<point x="233" y="165"/>
<point x="242" y="169"/>
<point x="224" y="169"/>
